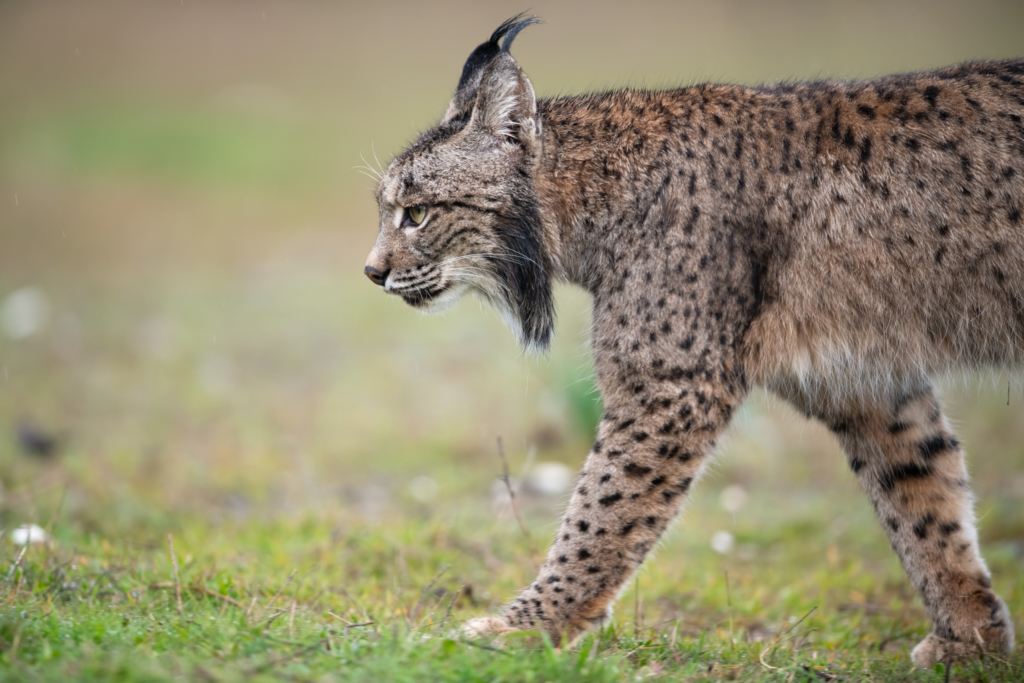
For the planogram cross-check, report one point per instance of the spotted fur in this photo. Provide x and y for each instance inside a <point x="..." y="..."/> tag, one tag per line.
<point x="836" y="242"/>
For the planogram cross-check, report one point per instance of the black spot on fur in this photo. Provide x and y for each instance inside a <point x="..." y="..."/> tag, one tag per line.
<point x="901" y="473"/>
<point x="634" y="470"/>
<point x="921" y="526"/>
<point x="936" y="446"/>
<point x="610" y="500"/>
<point x="865" y="150"/>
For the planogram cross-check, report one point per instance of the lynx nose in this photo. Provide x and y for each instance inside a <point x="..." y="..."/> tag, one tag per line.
<point x="377" y="277"/>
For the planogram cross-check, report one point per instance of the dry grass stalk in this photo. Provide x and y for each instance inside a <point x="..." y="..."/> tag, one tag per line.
<point x="14" y="569"/>
<point x="174" y="565"/>
<point x="278" y="593"/>
<point x="291" y="621"/>
<point x="423" y="593"/>
<point x="771" y="648"/>
<point x="228" y="600"/>
<point x="515" y="504"/>
<point x="349" y="624"/>
<point x="448" y="612"/>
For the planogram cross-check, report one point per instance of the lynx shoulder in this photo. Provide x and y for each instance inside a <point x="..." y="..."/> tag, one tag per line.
<point x="835" y="242"/>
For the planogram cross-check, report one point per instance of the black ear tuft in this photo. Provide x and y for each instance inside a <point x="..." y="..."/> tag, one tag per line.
<point x="478" y="60"/>
<point x="511" y="28"/>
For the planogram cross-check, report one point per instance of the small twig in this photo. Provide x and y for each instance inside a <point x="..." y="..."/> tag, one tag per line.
<point x="448" y="612"/>
<point x="291" y="621"/>
<point x="636" y="608"/>
<point x="728" y="598"/>
<point x="771" y="648"/>
<point x="174" y="564"/>
<point x="483" y="647"/>
<point x="512" y="500"/>
<point x="12" y="654"/>
<point x="349" y="624"/>
<point x="423" y="593"/>
<point x="199" y="589"/>
<point x="281" y="660"/>
<point x="14" y="569"/>
<point x="798" y="622"/>
<point x="215" y="594"/>
<point x="251" y="606"/>
<point x="273" y="618"/>
<point x="56" y="513"/>
<point x="50" y="525"/>
<point x="278" y="593"/>
<point x="17" y="561"/>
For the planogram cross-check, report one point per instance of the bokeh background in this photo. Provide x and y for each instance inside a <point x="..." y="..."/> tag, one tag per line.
<point x="183" y="225"/>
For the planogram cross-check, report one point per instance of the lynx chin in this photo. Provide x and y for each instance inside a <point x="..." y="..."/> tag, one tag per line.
<point x="835" y="242"/>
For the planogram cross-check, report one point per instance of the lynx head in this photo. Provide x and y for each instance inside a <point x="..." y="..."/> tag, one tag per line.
<point x="458" y="209"/>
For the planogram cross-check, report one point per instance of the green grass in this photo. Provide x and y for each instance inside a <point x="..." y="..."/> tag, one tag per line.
<point x="329" y="598"/>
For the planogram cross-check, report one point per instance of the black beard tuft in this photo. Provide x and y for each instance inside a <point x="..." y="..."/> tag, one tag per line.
<point x="525" y="272"/>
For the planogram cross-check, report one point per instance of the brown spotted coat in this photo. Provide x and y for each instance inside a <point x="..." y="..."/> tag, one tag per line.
<point x="836" y="242"/>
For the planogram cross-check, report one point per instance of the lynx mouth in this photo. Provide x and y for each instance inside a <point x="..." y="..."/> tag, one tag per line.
<point x="423" y="298"/>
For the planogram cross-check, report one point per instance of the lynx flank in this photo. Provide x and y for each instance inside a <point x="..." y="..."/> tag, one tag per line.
<point x="835" y="242"/>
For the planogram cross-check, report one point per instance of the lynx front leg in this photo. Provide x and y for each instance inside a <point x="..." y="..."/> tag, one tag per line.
<point x="911" y="465"/>
<point x="647" y="456"/>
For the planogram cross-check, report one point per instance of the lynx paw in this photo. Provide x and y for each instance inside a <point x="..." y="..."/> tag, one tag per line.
<point x="933" y="649"/>
<point x="487" y="627"/>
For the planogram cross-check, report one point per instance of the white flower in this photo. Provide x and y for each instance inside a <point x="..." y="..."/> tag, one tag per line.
<point x="28" y="533"/>
<point x="423" y="489"/>
<point x="549" y="479"/>
<point x="722" y="542"/>
<point x="733" y="498"/>
<point x="24" y="312"/>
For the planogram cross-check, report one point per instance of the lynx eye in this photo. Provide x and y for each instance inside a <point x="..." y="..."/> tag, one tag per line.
<point x="414" y="215"/>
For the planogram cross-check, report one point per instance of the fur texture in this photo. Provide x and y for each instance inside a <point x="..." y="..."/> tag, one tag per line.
<point x="837" y="242"/>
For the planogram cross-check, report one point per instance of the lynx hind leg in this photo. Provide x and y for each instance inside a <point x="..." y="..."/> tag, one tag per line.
<point x="912" y="467"/>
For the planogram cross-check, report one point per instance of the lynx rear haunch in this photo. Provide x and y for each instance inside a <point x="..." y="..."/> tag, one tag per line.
<point x="836" y="242"/>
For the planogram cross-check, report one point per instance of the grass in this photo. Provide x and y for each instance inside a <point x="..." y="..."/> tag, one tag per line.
<point x="328" y="597"/>
<point x="217" y="371"/>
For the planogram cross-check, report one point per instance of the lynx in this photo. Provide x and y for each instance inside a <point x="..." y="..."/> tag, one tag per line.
<point x="835" y="242"/>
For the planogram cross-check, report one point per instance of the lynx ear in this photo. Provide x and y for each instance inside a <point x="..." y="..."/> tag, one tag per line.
<point x="469" y="83"/>
<point x="506" y="107"/>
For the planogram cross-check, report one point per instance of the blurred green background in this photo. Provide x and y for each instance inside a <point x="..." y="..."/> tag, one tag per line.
<point x="182" y="233"/>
